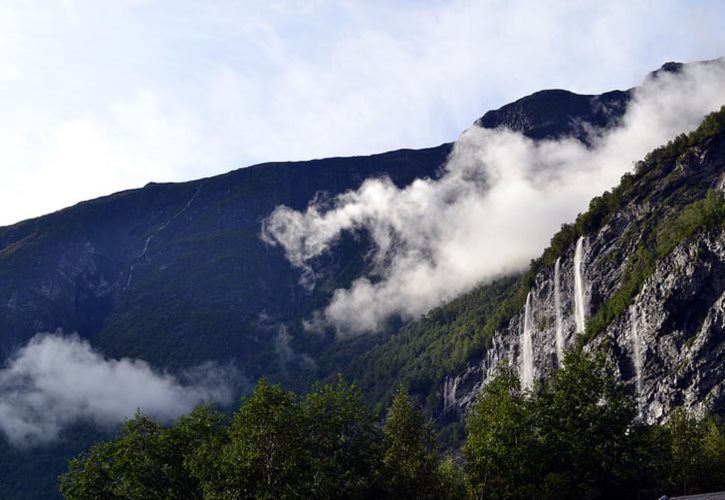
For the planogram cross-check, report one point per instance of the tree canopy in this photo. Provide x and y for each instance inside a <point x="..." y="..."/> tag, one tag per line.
<point x="574" y="435"/>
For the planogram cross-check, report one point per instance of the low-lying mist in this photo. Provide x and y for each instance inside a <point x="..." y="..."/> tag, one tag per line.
<point x="58" y="380"/>
<point x="500" y="199"/>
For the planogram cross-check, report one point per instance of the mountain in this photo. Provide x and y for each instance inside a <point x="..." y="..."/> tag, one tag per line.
<point x="177" y="275"/>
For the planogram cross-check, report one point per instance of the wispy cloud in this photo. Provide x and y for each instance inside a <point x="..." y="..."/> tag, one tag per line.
<point x="57" y="380"/>
<point x="501" y="198"/>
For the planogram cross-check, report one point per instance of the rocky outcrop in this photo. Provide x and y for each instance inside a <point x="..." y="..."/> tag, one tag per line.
<point x="551" y="114"/>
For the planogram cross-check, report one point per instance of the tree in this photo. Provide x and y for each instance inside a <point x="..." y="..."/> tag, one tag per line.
<point x="198" y="438"/>
<point x="501" y="448"/>
<point x="140" y="463"/>
<point x="90" y="475"/>
<point x="344" y="442"/>
<point x="713" y="449"/>
<point x="410" y="460"/>
<point x="267" y="455"/>
<point x="572" y="437"/>
<point x="584" y="416"/>
<point x="453" y="485"/>
<point x="696" y="453"/>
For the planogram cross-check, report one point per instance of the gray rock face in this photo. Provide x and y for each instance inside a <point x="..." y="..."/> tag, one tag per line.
<point x="680" y="314"/>
<point x="669" y="346"/>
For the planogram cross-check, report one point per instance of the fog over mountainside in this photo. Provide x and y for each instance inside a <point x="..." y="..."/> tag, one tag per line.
<point x="54" y="381"/>
<point x="501" y="197"/>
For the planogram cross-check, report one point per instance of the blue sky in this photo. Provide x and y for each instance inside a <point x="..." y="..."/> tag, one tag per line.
<point x="99" y="96"/>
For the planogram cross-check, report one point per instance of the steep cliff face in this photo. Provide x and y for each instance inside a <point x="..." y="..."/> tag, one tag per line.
<point x="674" y="332"/>
<point x="667" y="338"/>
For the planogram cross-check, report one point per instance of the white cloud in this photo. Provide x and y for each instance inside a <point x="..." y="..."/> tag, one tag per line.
<point x="103" y="96"/>
<point x="57" y="380"/>
<point x="500" y="200"/>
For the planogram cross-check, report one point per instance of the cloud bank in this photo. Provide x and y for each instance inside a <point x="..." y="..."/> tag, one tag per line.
<point x="501" y="198"/>
<point x="57" y="380"/>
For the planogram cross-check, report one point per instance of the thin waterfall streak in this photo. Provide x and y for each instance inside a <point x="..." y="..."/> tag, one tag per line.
<point x="636" y="355"/>
<point x="527" y="348"/>
<point x="579" y="287"/>
<point x="559" y="320"/>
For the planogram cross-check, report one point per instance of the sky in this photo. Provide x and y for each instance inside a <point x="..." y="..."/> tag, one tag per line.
<point x="101" y="96"/>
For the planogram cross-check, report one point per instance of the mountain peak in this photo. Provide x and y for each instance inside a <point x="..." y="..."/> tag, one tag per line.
<point x="556" y="113"/>
<point x="672" y="67"/>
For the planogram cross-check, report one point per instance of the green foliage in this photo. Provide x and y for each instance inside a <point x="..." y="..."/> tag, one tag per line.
<point x="695" y="450"/>
<point x="346" y="458"/>
<point x="198" y="437"/>
<point x="145" y="461"/>
<point x="410" y="460"/>
<point x="454" y="485"/>
<point x="576" y="436"/>
<point x="439" y="343"/>
<point x="657" y="157"/>
<point x="698" y="216"/>
<point x="90" y="475"/>
<point x="500" y="444"/>
<point x="711" y="126"/>
<point x="325" y="445"/>
<point x="585" y="415"/>
<point x="568" y="439"/>
<point x="265" y="452"/>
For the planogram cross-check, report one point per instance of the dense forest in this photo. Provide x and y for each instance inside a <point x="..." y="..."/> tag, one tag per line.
<point x="574" y="435"/>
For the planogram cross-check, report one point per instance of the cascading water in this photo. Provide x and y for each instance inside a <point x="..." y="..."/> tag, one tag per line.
<point x="636" y="354"/>
<point x="527" y="348"/>
<point x="449" y="392"/>
<point x="579" y="286"/>
<point x="559" y="319"/>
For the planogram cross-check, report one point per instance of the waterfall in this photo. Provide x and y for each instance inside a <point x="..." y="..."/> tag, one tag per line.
<point x="450" y="385"/>
<point x="559" y="320"/>
<point x="636" y="355"/>
<point x="579" y="287"/>
<point x="527" y="348"/>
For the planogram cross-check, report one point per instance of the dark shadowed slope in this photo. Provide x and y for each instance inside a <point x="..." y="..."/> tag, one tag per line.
<point x="173" y="273"/>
